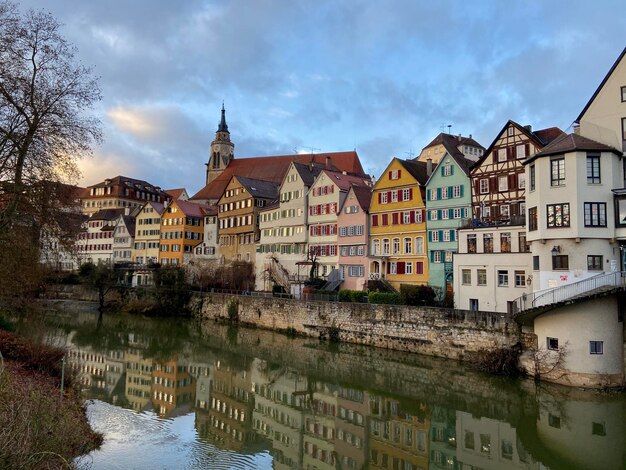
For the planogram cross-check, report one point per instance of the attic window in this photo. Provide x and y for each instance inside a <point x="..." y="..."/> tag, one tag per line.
<point x="107" y="181"/>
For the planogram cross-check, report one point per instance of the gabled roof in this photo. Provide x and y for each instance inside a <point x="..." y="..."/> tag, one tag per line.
<point x="159" y="207"/>
<point x="129" y="222"/>
<point x="345" y="181"/>
<point x="418" y="170"/>
<point x="176" y="193"/>
<point x="308" y="172"/>
<point x="192" y="209"/>
<point x="602" y="83"/>
<point x="363" y="195"/>
<point x="107" y="214"/>
<point x="452" y="142"/>
<point x="541" y="138"/>
<point x="273" y="168"/>
<point x="571" y="143"/>
<point x="259" y="188"/>
<point x="463" y="163"/>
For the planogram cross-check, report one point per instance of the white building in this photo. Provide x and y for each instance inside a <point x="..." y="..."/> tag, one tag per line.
<point x="492" y="268"/>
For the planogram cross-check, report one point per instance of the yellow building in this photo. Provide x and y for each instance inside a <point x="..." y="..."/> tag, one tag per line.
<point x="238" y="216"/>
<point x="181" y="231"/>
<point x="398" y="224"/>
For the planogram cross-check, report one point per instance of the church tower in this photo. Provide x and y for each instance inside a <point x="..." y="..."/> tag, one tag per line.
<point x="222" y="150"/>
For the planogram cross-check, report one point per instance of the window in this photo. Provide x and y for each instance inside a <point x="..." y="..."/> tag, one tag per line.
<point x="502" y="155"/>
<point x="505" y="211"/>
<point x="396" y="246"/>
<point x="523" y="246"/>
<point x="376" y="247"/>
<point x="595" y="214"/>
<point x="503" y="278"/>
<point x="510" y="131"/>
<point x="394" y="174"/>
<point x="434" y="235"/>
<point x="446" y="235"/>
<point x="466" y="277"/>
<point x="456" y="213"/>
<point x="623" y="90"/>
<point x="593" y="169"/>
<point x="594" y="262"/>
<point x="449" y="256"/>
<point x="473" y="305"/>
<point x="456" y="191"/>
<point x="406" y="194"/>
<point x="444" y="192"/>
<point x="552" y="343"/>
<point x="520" y="151"/>
<point x="557" y="171"/>
<point x="419" y="245"/>
<point x="408" y="248"/>
<point x="535" y="263"/>
<point x="520" y="279"/>
<point x="433" y="194"/>
<point x="596" y="347"/>
<point x="532" y="177"/>
<point x="503" y="183"/>
<point x="558" y="215"/>
<point x="471" y="243"/>
<point x="532" y="219"/>
<point x="598" y="429"/>
<point x="446" y="169"/>
<point x="433" y="215"/>
<point x="487" y="243"/>
<point x="505" y="242"/>
<point x="385" y="247"/>
<point x="481" y="277"/>
<point x="521" y="180"/>
<point x="437" y="256"/>
<point x="383" y="198"/>
<point x="484" y="186"/>
<point x="560" y="262"/>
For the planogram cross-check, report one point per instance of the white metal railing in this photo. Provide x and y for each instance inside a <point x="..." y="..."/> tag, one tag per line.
<point x="568" y="291"/>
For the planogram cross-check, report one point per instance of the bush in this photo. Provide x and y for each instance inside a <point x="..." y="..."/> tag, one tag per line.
<point x="500" y="361"/>
<point x="417" y="295"/>
<point x="233" y="310"/>
<point x="384" y="298"/>
<point x="356" y="296"/>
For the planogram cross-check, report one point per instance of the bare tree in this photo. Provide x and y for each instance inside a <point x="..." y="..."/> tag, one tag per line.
<point x="45" y="94"/>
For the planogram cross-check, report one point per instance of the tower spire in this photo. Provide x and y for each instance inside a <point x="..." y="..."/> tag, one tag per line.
<point x="223" y="127"/>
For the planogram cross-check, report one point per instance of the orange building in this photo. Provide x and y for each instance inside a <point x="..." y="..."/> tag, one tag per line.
<point x="182" y="230"/>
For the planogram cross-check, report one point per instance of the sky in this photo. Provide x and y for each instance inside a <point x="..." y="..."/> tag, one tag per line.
<point x="383" y="78"/>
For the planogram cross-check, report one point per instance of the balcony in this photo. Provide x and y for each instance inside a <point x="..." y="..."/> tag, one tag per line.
<point x="493" y="222"/>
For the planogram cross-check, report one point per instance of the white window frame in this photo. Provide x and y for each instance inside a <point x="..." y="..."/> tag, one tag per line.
<point x="484" y="186"/>
<point x="503" y="183"/>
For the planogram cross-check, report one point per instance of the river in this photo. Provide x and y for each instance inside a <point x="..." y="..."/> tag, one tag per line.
<point x="175" y="394"/>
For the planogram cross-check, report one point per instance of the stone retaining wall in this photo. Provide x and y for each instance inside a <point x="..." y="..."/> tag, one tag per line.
<point x="426" y="330"/>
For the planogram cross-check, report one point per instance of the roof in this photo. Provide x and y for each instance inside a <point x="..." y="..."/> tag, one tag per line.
<point x="259" y="188"/>
<point x="107" y="214"/>
<point x="418" y="170"/>
<point x="450" y="141"/>
<point x="363" y="195"/>
<point x="344" y="181"/>
<point x="159" y="207"/>
<point x="541" y="138"/>
<point x="273" y="168"/>
<point x="604" y="80"/>
<point x="122" y="180"/>
<point x="309" y="171"/>
<point x="129" y="221"/>
<point x="193" y="209"/>
<point x="176" y="193"/>
<point x="570" y="143"/>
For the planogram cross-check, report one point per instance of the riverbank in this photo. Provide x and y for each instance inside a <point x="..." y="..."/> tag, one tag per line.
<point x="39" y="428"/>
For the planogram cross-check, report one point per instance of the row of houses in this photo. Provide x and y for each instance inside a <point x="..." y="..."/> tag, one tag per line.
<point x="535" y="209"/>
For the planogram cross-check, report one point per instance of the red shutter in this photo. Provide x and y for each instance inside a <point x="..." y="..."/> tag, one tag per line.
<point x="375" y="220"/>
<point x="400" y="267"/>
<point x="419" y="267"/>
<point x="399" y="195"/>
<point x="512" y="179"/>
<point x="412" y="217"/>
<point x="380" y="198"/>
<point x="335" y="228"/>
<point x="388" y="196"/>
<point x="385" y="219"/>
<point x="389" y="175"/>
<point x="394" y="218"/>
<point x="410" y="194"/>
<point x="399" y="174"/>
<point x="332" y="189"/>
<point x="327" y="250"/>
<point x="527" y="150"/>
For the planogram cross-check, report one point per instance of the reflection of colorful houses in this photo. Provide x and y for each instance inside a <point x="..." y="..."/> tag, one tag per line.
<point x="350" y="424"/>
<point x="138" y="387"/>
<point x="398" y="437"/>
<point x="442" y="445"/>
<point x="173" y="388"/>
<point x="319" y="429"/>
<point x="280" y="400"/>
<point x="228" y="421"/>
<point x="90" y="368"/>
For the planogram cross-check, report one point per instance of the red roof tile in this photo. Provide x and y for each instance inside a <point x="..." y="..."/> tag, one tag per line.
<point x="273" y="168"/>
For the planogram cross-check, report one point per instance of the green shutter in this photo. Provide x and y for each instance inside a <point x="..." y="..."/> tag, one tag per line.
<point x="430" y="236"/>
<point x="440" y="235"/>
<point x="438" y="193"/>
<point x="451" y="170"/>
<point x="452" y="235"/>
<point x="462" y="186"/>
<point x="439" y="217"/>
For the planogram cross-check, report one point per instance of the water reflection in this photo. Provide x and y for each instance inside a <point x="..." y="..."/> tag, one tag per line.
<point x="314" y="406"/>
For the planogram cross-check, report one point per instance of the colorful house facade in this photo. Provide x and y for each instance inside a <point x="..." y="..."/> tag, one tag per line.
<point x="398" y="224"/>
<point x="181" y="231"/>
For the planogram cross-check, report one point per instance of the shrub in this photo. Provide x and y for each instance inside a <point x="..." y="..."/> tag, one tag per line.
<point x="499" y="361"/>
<point x="417" y="295"/>
<point x="384" y="298"/>
<point x="344" y="296"/>
<point x="356" y="296"/>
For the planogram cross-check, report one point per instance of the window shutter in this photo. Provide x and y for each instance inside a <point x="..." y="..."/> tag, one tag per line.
<point x="512" y="178"/>
<point x="462" y="186"/>
<point x="394" y="218"/>
<point x="428" y="195"/>
<point x="527" y="150"/>
<point x="443" y="173"/>
<point x="410" y="193"/>
<point x="399" y="174"/>
<point x="438" y="193"/>
<point x="399" y="195"/>
<point x="449" y="189"/>
<point x="428" y="215"/>
<point x="412" y="217"/>
<point x="439" y="217"/>
<point x="389" y="174"/>
<point x="388" y="196"/>
<point x="375" y="220"/>
<point x="419" y="267"/>
<point x="431" y="256"/>
<point x="440" y="235"/>
<point x="328" y="208"/>
<point x="430" y="236"/>
<point x="379" y="197"/>
<point x="400" y="267"/>
<point x="332" y="189"/>
<point x="450" y="213"/>
<point x="452" y="235"/>
<point x="451" y="170"/>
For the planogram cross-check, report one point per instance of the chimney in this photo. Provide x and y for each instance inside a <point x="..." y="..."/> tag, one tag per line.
<point x="327" y="161"/>
<point x="529" y="128"/>
<point x="470" y="136"/>
<point x="429" y="167"/>
<point x="459" y="137"/>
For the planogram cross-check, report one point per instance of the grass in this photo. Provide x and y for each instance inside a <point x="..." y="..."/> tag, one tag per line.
<point x="39" y="429"/>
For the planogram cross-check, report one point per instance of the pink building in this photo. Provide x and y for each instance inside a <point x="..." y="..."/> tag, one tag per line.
<point x="353" y="231"/>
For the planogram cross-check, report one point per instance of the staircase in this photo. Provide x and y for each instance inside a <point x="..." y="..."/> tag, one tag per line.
<point x="570" y="292"/>
<point x="334" y="280"/>
<point x="278" y="274"/>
